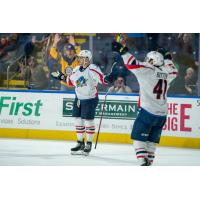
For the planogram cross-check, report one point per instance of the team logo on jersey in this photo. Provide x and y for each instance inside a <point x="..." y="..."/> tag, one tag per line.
<point x="81" y="82"/>
<point x="68" y="70"/>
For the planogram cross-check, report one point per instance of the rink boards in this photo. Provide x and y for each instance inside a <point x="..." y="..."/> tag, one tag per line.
<point x="34" y="114"/>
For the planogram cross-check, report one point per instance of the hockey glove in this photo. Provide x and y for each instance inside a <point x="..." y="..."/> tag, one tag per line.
<point x="166" y="54"/>
<point x="109" y="78"/>
<point x="59" y="76"/>
<point x="119" y="48"/>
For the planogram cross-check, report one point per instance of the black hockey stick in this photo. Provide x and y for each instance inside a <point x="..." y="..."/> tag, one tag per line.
<point x="103" y="109"/>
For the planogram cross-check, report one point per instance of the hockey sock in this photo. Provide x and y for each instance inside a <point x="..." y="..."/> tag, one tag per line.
<point x="80" y="128"/>
<point x="90" y="129"/>
<point x="141" y="151"/>
<point x="151" y="148"/>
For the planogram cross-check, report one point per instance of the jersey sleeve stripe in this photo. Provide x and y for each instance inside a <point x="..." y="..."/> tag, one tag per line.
<point x="134" y="66"/>
<point x="70" y="82"/>
<point x="129" y="60"/>
<point x="96" y="91"/>
<point x="100" y="76"/>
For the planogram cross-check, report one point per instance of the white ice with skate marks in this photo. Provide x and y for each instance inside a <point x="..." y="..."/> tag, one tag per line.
<point x="19" y="152"/>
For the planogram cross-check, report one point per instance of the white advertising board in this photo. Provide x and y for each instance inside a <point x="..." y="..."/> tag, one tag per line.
<point x="52" y="111"/>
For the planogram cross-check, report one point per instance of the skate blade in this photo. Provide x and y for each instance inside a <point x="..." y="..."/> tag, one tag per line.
<point x="77" y="153"/>
<point x="86" y="153"/>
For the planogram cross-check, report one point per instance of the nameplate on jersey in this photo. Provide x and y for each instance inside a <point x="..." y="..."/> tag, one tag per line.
<point x="161" y="75"/>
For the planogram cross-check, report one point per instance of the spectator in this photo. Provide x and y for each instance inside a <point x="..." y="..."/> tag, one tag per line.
<point x="7" y="44"/>
<point x="21" y="68"/>
<point x="185" y="84"/>
<point x="51" y="63"/>
<point x="35" y="76"/>
<point x="185" y="43"/>
<point x="120" y="86"/>
<point x="67" y="57"/>
<point x="37" y="43"/>
<point x="53" y="66"/>
<point x="190" y="81"/>
<point x="3" y="44"/>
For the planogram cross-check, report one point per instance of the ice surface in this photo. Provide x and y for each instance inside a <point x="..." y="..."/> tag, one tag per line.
<point x="26" y="152"/>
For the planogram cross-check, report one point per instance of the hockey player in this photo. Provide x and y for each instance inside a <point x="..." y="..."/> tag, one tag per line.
<point x="85" y="79"/>
<point x="154" y="76"/>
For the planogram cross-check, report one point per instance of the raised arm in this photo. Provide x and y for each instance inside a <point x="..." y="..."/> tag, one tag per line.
<point x="97" y="75"/>
<point x="53" y="50"/>
<point x="131" y="63"/>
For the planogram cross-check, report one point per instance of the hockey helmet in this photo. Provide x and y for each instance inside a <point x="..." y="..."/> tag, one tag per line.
<point x="85" y="54"/>
<point x="155" y="58"/>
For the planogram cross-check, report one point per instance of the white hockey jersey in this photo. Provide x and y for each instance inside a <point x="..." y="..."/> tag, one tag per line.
<point x="154" y="83"/>
<point x="86" y="81"/>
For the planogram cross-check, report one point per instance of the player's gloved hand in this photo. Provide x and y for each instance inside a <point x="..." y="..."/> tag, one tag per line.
<point x="109" y="78"/>
<point x="165" y="53"/>
<point x="58" y="75"/>
<point x="168" y="55"/>
<point x="119" y="48"/>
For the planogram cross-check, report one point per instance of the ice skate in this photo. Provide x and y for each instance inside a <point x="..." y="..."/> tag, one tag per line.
<point x="146" y="162"/>
<point x="87" y="149"/>
<point x="78" y="149"/>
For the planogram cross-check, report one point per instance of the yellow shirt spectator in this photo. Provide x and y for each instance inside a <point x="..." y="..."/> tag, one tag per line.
<point x="67" y="58"/>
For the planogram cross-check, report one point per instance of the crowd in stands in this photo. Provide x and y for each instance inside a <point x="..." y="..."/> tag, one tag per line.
<point x="39" y="54"/>
<point x="8" y="45"/>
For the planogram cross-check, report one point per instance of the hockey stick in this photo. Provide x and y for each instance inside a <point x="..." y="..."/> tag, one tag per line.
<point x="104" y="103"/>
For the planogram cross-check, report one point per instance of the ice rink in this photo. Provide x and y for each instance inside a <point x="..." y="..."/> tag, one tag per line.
<point x="26" y="152"/>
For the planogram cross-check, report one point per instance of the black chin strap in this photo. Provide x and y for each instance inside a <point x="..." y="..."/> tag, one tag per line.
<point x="159" y="67"/>
<point x="82" y="68"/>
